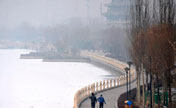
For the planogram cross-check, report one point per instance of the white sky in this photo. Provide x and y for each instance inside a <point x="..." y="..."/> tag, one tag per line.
<point x="45" y="12"/>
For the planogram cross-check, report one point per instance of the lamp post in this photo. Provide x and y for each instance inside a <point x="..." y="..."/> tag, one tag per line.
<point x="130" y="63"/>
<point x="126" y="70"/>
<point x="150" y="58"/>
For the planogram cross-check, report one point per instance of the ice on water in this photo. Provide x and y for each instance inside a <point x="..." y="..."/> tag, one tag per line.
<point x="31" y="83"/>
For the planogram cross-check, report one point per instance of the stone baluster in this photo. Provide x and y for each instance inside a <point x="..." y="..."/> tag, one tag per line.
<point x="120" y="80"/>
<point x="89" y="89"/>
<point x="104" y="84"/>
<point x="78" y="96"/>
<point x="96" y="86"/>
<point x="100" y="85"/>
<point x="124" y="79"/>
<point x="117" y="81"/>
<point x="93" y="87"/>
<point x="75" y="101"/>
<point x="80" y="93"/>
<point x="84" y="91"/>
<point x="114" y="83"/>
<point x="107" y="84"/>
<point x="110" y="83"/>
<point x="87" y="92"/>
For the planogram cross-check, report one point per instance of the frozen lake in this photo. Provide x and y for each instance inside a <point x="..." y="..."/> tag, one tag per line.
<point x="31" y="83"/>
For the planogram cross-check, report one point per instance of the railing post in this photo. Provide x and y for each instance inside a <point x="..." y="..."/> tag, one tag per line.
<point x="85" y="91"/>
<point x="107" y="84"/>
<point x="103" y="84"/>
<point x="110" y="83"/>
<point x="75" y="101"/>
<point x="114" y="83"/>
<point x="118" y="81"/>
<point x="82" y="92"/>
<point x="97" y="86"/>
<point x="125" y="80"/>
<point x="121" y="80"/>
<point x="100" y="85"/>
<point x="78" y="97"/>
<point x="89" y="89"/>
<point x="93" y="87"/>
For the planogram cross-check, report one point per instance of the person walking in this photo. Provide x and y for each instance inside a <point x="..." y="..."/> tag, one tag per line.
<point x="101" y="100"/>
<point x="93" y="100"/>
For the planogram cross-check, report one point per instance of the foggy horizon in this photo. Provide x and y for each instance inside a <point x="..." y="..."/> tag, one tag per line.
<point x="63" y="25"/>
<point x="39" y="13"/>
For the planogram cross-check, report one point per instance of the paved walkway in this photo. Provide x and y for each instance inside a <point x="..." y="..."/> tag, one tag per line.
<point x="111" y="96"/>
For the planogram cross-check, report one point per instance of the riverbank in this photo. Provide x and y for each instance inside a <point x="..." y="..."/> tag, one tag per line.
<point x="55" y="57"/>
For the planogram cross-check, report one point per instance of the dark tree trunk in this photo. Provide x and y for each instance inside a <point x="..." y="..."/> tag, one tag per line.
<point x="147" y="84"/>
<point x="169" y="84"/>
<point x="158" y="91"/>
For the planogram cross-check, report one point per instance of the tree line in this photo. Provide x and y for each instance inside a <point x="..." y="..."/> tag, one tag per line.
<point x="77" y="36"/>
<point x="152" y="33"/>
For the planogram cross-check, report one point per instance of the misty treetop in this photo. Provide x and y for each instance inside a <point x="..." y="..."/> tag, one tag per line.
<point x="91" y="37"/>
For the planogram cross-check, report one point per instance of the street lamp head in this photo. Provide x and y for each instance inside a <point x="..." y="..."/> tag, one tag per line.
<point x="126" y="69"/>
<point x="130" y="63"/>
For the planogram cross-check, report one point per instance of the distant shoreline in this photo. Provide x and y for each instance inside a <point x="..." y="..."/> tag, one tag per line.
<point x="55" y="57"/>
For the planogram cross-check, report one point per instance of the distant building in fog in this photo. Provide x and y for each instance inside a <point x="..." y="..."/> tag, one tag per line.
<point x="117" y="11"/>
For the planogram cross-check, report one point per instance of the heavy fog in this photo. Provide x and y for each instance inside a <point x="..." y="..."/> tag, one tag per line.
<point x="40" y="13"/>
<point x="60" y="26"/>
<point x="52" y="30"/>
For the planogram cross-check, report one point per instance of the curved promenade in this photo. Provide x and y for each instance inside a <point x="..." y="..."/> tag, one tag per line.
<point x="109" y="85"/>
<point x="111" y="96"/>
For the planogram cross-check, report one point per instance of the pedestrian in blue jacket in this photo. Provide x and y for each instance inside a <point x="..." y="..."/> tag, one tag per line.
<point x="101" y="100"/>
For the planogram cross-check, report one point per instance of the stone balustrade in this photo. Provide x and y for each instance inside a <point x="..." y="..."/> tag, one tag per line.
<point x="85" y="92"/>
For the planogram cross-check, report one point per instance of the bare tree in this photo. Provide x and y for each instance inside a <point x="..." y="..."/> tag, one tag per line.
<point x="139" y="22"/>
<point x="151" y="32"/>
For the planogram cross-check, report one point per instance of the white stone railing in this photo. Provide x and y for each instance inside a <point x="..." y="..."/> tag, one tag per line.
<point x="85" y="92"/>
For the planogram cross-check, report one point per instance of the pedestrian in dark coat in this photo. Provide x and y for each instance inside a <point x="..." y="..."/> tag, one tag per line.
<point x="93" y="100"/>
<point x="101" y="100"/>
